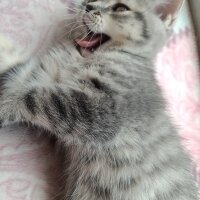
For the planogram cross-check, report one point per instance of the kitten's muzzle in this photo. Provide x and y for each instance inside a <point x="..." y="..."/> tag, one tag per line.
<point x="91" y="42"/>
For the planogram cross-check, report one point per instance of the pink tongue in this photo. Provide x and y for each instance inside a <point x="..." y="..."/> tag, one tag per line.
<point x="88" y="42"/>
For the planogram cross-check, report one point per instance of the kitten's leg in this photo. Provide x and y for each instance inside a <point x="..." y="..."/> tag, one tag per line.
<point x="10" y="54"/>
<point x="33" y="97"/>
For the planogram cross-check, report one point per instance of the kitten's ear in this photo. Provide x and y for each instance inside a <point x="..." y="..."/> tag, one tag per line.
<point x="167" y="10"/>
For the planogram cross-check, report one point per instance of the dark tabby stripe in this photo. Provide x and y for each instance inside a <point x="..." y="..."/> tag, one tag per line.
<point x="42" y="67"/>
<point x="126" y="184"/>
<point x="145" y="32"/>
<point x="60" y="107"/>
<point x="1" y="122"/>
<point x="12" y="118"/>
<point x="140" y="17"/>
<point x="49" y="115"/>
<point x="81" y="115"/>
<point x="85" y="159"/>
<point x="102" y="192"/>
<point x="82" y="102"/>
<point x="97" y="84"/>
<point x="34" y="75"/>
<point x="30" y="103"/>
<point x="117" y="163"/>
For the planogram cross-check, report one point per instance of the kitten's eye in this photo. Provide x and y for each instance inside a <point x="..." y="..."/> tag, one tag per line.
<point x="119" y="7"/>
<point x="91" y="1"/>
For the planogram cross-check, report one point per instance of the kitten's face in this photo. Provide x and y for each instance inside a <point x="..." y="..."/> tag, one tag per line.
<point x="105" y="24"/>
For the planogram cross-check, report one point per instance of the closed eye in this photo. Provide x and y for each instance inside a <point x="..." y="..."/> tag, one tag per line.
<point x="120" y="7"/>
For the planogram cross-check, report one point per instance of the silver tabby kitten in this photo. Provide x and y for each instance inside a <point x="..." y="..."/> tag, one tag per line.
<point x="98" y="95"/>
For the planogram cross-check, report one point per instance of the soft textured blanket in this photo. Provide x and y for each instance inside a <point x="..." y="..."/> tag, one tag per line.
<point x="25" y="161"/>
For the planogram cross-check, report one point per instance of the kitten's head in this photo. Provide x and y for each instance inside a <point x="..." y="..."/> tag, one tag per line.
<point x="132" y="25"/>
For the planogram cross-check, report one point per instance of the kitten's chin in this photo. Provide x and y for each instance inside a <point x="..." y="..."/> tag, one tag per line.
<point x="85" y="52"/>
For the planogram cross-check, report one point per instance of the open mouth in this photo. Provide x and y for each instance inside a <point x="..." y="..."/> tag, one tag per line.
<point x="91" y="42"/>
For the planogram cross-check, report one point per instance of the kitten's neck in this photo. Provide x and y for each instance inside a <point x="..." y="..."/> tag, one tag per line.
<point x="127" y="52"/>
<point x="125" y="57"/>
<point x="146" y="50"/>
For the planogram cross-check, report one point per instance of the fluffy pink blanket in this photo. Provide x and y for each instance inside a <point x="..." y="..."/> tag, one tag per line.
<point x="25" y="159"/>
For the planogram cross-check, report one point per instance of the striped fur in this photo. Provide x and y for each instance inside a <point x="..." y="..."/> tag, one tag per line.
<point x="107" y="110"/>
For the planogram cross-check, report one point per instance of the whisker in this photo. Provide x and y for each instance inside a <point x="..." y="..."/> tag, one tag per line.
<point x="76" y="22"/>
<point x="79" y="21"/>
<point x="73" y="9"/>
<point x="101" y="33"/>
<point x="84" y="37"/>
<point x="89" y="32"/>
<point x="82" y="25"/>
<point x="68" y="32"/>
<point x="75" y="3"/>
<point x="90" y="38"/>
<point x="74" y="28"/>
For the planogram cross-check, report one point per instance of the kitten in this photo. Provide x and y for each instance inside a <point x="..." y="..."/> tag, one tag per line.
<point x="98" y="95"/>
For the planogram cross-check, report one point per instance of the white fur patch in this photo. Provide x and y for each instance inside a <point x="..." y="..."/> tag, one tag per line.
<point x="9" y="54"/>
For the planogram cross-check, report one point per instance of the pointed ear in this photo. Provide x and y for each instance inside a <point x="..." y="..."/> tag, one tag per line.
<point x="167" y="10"/>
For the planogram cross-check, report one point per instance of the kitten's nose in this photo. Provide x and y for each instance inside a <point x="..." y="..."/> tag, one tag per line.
<point x="96" y="13"/>
<point x="89" y="8"/>
<point x="92" y="10"/>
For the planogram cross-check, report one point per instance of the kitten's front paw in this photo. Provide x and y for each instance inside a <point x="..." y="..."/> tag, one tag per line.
<point x="9" y="54"/>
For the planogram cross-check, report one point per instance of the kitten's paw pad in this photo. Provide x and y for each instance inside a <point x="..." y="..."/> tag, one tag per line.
<point x="9" y="55"/>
